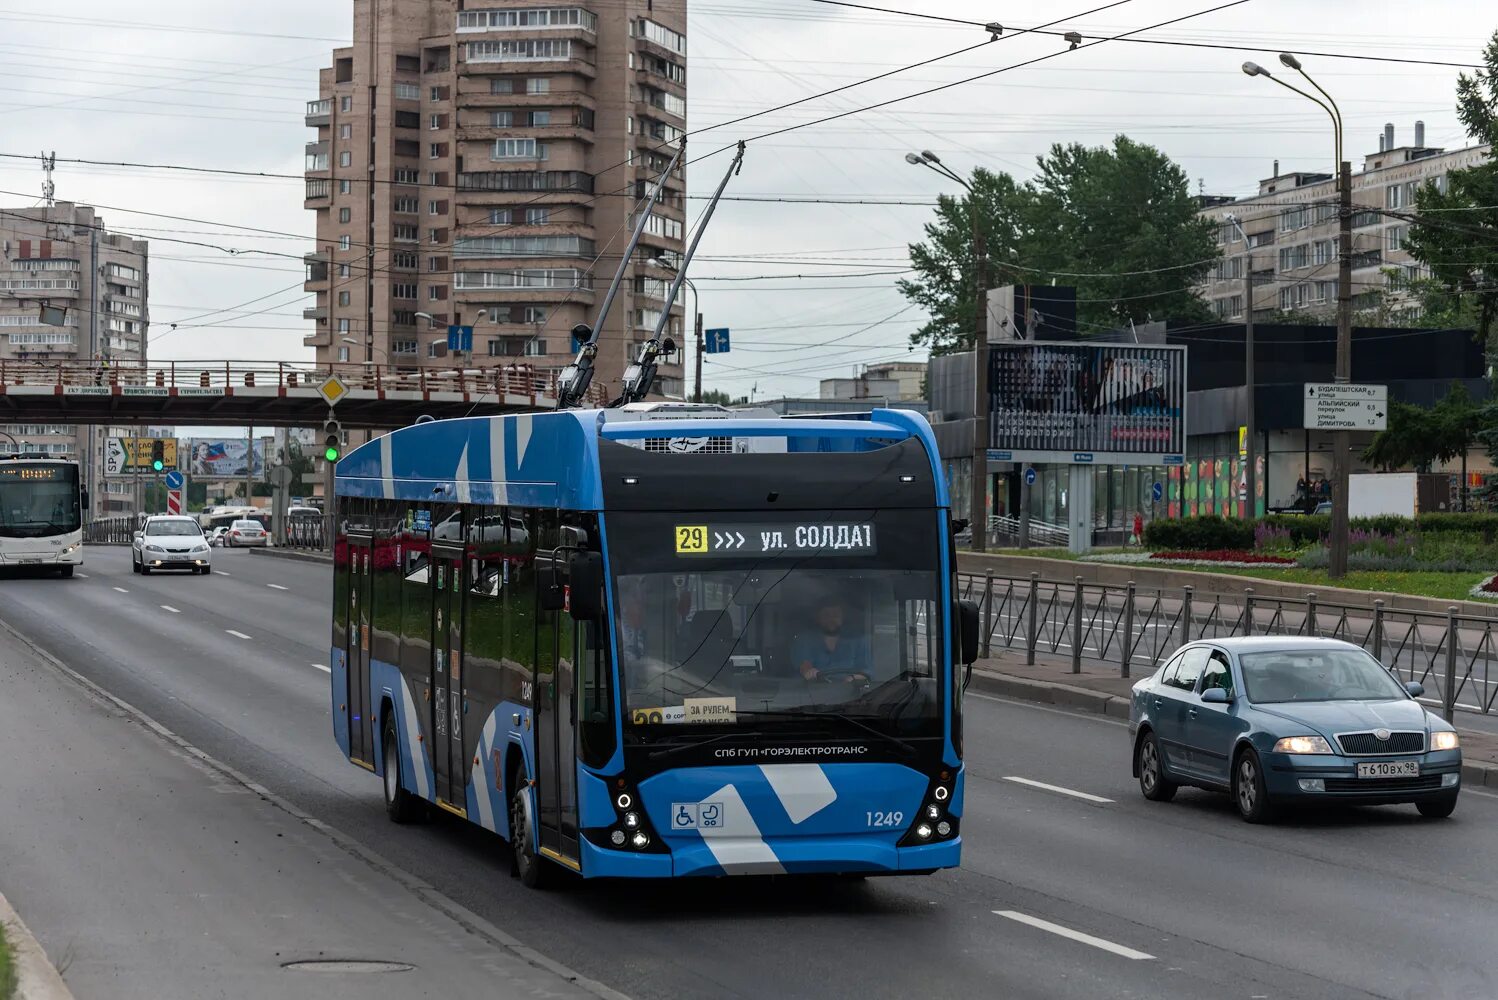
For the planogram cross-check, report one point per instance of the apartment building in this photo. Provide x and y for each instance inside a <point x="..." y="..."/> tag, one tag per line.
<point x="63" y="256"/>
<point x="1292" y="228"/>
<point x="480" y="166"/>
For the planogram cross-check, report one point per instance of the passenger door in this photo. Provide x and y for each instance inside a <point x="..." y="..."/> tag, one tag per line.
<point x="556" y="791"/>
<point x="1174" y="697"/>
<point x="360" y="588"/>
<point x="447" y="679"/>
<point x="1212" y="729"/>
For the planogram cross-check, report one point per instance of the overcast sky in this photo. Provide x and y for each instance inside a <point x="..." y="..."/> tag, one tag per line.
<point x="224" y="86"/>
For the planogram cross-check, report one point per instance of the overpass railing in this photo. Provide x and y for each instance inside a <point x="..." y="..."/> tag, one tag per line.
<point x="514" y="380"/>
<point x="1453" y="655"/>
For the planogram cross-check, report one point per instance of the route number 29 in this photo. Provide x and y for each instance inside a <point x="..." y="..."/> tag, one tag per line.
<point x="877" y="819"/>
<point x="691" y="538"/>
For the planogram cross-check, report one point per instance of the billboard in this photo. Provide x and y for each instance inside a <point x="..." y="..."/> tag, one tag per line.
<point x="221" y="458"/>
<point x="123" y="456"/>
<point x="1072" y="403"/>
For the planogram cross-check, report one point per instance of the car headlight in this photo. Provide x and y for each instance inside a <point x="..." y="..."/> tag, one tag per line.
<point x="200" y="548"/>
<point x="154" y="548"/>
<point x="1444" y="741"/>
<point x="70" y="550"/>
<point x="1302" y="744"/>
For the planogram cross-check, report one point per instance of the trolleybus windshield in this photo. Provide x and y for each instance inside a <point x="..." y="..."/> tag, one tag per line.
<point x="37" y="500"/>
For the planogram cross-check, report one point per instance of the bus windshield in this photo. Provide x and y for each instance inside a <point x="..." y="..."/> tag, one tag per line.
<point x="730" y="621"/>
<point x="38" y="500"/>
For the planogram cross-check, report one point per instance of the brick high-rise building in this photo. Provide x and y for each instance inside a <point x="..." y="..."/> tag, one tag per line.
<point x="63" y="256"/>
<point x="471" y="163"/>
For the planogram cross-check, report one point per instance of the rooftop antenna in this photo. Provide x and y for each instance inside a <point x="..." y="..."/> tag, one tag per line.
<point x="573" y="382"/>
<point x="639" y="376"/>
<point x="49" y="164"/>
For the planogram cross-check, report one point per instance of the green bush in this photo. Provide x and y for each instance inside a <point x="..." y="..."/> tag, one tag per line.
<point x="1200" y="534"/>
<point x="1484" y="524"/>
<point x="1304" y="529"/>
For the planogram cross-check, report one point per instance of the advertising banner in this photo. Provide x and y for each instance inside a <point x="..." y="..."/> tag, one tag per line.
<point x="1114" y="404"/>
<point x="219" y="458"/>
<point x="126" y="455"/>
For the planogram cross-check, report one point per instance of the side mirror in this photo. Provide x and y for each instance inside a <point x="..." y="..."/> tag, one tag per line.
<point x="967" y="631"/>
<point x="139" y="535"/>
<point x="586" y="571"/>
<point x="1215" y="696"/>
<point x="1415" y="688"/>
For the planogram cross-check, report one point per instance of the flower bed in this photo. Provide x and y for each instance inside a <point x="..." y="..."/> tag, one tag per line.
<point x="1487" y="590"/>
<point x="1239" y="558"/>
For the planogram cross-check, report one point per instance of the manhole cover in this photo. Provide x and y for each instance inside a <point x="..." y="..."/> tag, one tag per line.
<point x="347" y="965"/>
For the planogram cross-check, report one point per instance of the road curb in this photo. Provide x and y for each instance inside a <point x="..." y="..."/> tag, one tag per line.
<point x="299" y="554"/>
<point x="36" y="978"/>
<point x="1480" y="774"/>
<point x="462" y="915"/>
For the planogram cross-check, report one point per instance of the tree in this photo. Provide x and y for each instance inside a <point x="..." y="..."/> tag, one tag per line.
<point x="1455" y="233"/>
<point x="1407" y="442"/>
<point x="722" y="398"/>
<point x="1124" y="212"/>
<point x="1458" y="421"/>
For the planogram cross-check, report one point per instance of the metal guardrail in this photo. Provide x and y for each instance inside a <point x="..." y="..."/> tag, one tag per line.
<point x="119" y="530"/>
<point x="306" y="531"/>
<point x="1455" y="656"/>
<point x="502" y="380"/>
<point x="1041" y="532"/>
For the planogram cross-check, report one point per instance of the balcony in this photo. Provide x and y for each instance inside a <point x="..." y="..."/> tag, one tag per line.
<point x="544" y="19"/>
<point x="319" y="313"/>
<point x="318" y="265"/>
<point x="317" y="157"/>
<point x="319" y="191"/>
<point x="320" y="112"/>
<point x="322" y="338"/>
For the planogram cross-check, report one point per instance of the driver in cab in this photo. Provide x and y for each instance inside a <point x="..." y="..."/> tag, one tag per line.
<point x="826" y="654"/>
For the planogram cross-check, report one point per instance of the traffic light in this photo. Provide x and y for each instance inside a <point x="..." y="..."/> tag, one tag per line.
<point x="332" y="440"/>
<point x="158" y="455"/>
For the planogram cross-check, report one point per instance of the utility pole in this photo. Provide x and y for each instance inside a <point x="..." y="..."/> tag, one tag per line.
<point x="1342" y="440"/>
<point x="1250" y="456"/>
<point x="697" y="389"/>
<point x="981" y="430"/>
<point x="249" y="466"/>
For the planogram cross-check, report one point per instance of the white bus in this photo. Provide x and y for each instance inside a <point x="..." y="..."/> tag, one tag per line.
<point x="40" y="514"/>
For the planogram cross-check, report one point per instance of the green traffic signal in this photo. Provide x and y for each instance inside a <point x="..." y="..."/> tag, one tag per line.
<point x="158" y="465"/>
<point x="330" y="453"/>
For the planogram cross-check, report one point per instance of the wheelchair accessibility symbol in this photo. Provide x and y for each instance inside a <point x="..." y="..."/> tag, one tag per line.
<point x="696" y="815"/>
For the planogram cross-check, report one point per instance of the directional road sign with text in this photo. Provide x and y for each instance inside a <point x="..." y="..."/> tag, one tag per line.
<point x="1346" y="406"/>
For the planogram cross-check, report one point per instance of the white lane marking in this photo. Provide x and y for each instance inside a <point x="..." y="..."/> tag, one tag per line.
<point x="1067" y="932"/>
<point x="122" y="590"/>
<point x="1473" y="791"/>
<point x="81" y="576"/>
<point x="323" y="667"/>
<point x="237" y="635"/>
<point x="219" y="572"/>
<point x="168" y="607"/>
<point x="1057" y="789"/>
<point x="277" y="586"/>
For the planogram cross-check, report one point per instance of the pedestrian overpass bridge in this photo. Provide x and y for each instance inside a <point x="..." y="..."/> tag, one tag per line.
<point x="264" y="394"/>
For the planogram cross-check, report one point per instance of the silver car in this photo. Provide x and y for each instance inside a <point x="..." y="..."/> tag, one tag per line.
<point x="246" y="533"/>
<point x="170" y="541"/>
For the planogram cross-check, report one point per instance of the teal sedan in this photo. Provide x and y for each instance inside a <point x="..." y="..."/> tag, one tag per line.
<point x="1281" y="720"/>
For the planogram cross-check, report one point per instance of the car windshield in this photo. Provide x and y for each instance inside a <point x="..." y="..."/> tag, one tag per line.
<point x="172" y="528"/>
<point x="1317" y="675"/>
<point x="712" y="629"/>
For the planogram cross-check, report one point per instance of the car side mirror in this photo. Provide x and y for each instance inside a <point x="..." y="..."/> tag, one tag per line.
<point x="586" y="598"/>
<point x="139" y="535"/>
<point x="1215" y="696"/>
<point x="967" y="631"/>
<point x="1415" y="688"/>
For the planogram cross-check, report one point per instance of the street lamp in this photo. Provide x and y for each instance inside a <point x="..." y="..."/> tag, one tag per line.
<point x="1251" y="449"/>
<point x="370" y="347"/>
<point x="1341" y="439"/>
<point x="697" y="322"/>
<point x="978" y="506"/>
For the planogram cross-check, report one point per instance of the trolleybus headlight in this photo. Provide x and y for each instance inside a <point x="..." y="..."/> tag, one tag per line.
<point x="624" y="801"/>
<point x="631" y="821"/>
<point x="617" y="837"/>
<point x="941" y="793"/>
<point x="943" y="828"/>
<point x="923" y="831"/>
<point x="640" y="840"/>
<point x="933" y="811"/>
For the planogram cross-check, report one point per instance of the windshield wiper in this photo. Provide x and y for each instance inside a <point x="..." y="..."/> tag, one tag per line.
<point x="906" y="748"/>
<point x="694" y="744"/>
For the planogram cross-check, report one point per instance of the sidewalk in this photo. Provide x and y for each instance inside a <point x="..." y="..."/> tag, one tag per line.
<point x="305" y="555"/>
<point x="1099" y="689"/>
<point x="149" y="872"/>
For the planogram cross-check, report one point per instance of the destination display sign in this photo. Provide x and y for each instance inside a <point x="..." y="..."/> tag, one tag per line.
<point x="796" y="538"/>
<point x="37" y="473"/>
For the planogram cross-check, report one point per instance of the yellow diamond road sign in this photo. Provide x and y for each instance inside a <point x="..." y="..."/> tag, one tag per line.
<point x="333" y="389"/>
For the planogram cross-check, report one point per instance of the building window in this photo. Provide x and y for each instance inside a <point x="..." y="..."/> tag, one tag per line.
<point x="538" y="277"/>
<point x="436" y="348"/>
<point x="343" y="326"/>
<point x="437" y="293"/>
<point x="407" y="92"/>
<point x="404" y="232"/>
<point x="406" y="175"/>
<point x="436" y="265"/>
<point x="659" y="34"/>
<point x="405" y="259"/>
<point x="629" y="128"/>
<point x="537" y="216"/>
<point x="436" y="122"/>
<point x="403" y="347"/>
<point x="501" y="85"/>
<point x="1293" y="257"/>
<point x="345" y="242"/>
<point x="401" y="290"/>
<point x="345" y="187"/>
<point x="343" y="298"/>
<point x="345" y="104"/>
<point x="439" y="94"/>
<point x="407" y="205"/>
<point x="436" y="150"/>
<point x="542" y="17"/>
<point x="1322" y="252"/>
<point x="436" y="236"/>
<point x="343" y="354"/>
<point x="517" y="149"/>
<point x="435" y="207"/>
<point x="538" y="85"/>
<point x="501" y="119"/>
<point x="345" y="131"/>
<point x="1397" y="235"/>
<point x="523" y="246"/>
<point x="343" y="215"/>
<point x="345" y="158"/>
<point x="540" y="119"/>
<point x="499" y="216"/>
<point x="525" y="50"/>
<point x="1394" y="196"/>
<point x="343" y="270"/>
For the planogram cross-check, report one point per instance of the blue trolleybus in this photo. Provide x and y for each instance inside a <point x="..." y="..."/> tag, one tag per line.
<point x="658" y="641"/>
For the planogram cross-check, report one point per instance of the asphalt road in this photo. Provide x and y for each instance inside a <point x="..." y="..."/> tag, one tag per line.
<point x="1368" y="902"/>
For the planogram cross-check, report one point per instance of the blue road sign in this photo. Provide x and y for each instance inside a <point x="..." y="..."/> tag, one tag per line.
<point x="460" y="338"/>
<point x="1029" y="477"/>
<point x="174" y="480"/>
<point x="715" y="341"/>
<point x="1157" y="492"/>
